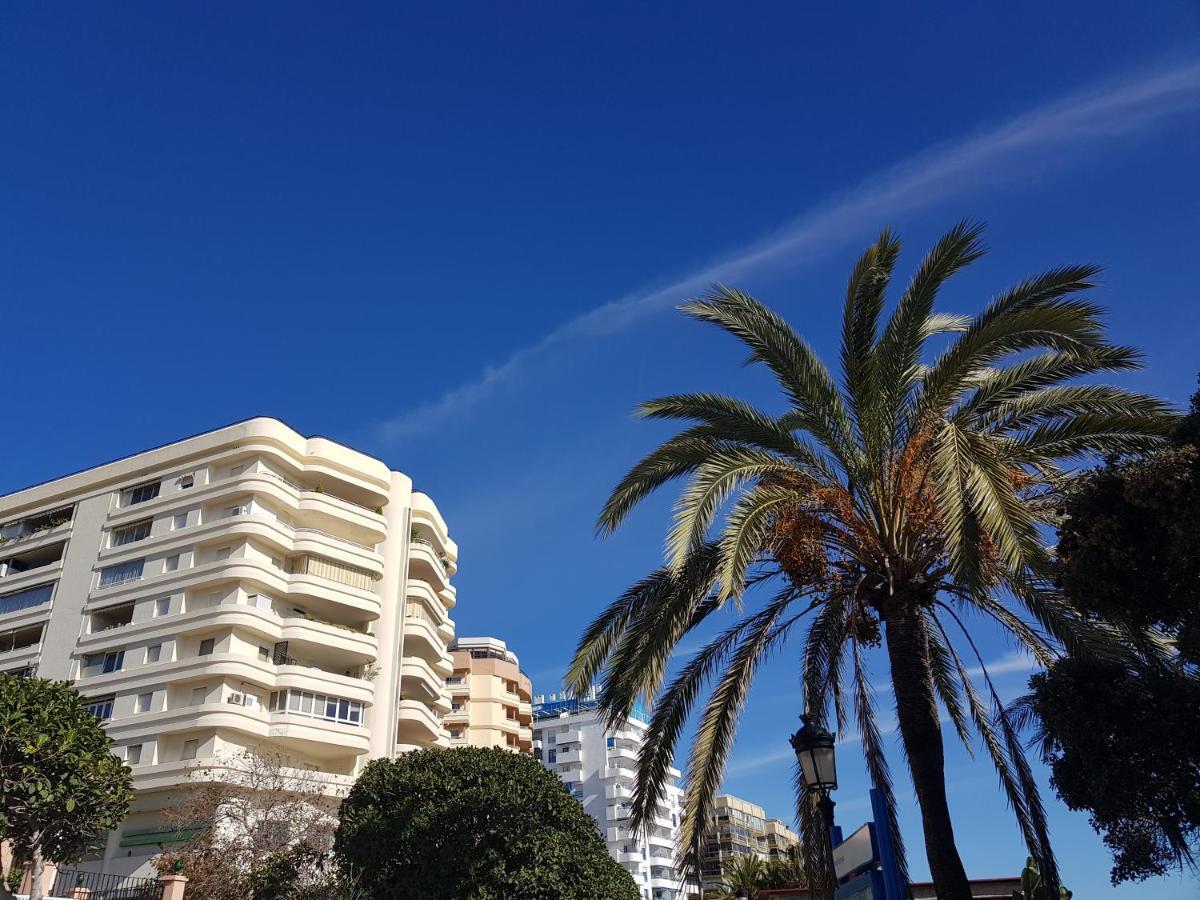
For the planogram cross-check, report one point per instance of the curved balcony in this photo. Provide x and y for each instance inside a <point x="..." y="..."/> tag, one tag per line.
<point x="308" y="678"/>
<point x="163" y="775"/>
<point x="417" y="675"/>
<point x="288" y="726"/>
<point x="421" y="592"/>
<point x="348" y="646"/>
<point x="424" y="564"/>
<point x="417" y="725"/>
<point x="255" y="573"/>
<point x="421" y="639"/>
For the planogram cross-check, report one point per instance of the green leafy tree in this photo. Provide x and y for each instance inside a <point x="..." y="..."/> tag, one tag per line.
<point x="473" y="822"/>
<point x="886" y="509"/>
<point x="1121" y="740"/>
<point x="63" y="788"/>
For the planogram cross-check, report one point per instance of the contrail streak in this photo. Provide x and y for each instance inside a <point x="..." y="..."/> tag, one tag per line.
<point x="986" y="159"/>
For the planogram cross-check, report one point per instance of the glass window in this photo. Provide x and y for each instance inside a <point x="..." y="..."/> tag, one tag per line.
<point x="101" y="708"/>
<point x="133" y="755"/>
<point x="121" y="573"/>
<point x="190" y="749"/>
<point x="206" y="646"/>
<point x="144" y="702"/>
<point x="142" y="493"/>
<point x="162" y="606"/>
<point x="223" y="552"/>
<point x="180" y="521"/>
<point x="171" y="563"/>
<point x="26" y="599"/>
<point x="199" y="695"/>
<point x="128" y="534"/>
<point x="153" y="653"/>
<point x="113" y="660"/>
<point x="264" y="655"/>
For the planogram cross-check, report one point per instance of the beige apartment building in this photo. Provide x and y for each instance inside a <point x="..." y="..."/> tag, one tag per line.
<point x="490" y="697"/>
<point x="740" y="828"/>
<point x="242" y="588"/>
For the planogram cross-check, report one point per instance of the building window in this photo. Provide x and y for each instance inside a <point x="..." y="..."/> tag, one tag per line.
<point x="232" y="511"/>
<point x="223" y="552"/>
<point x="190" y="749"/>
<point x="162" y="607"/>
<point x="26" y="599"/>
<point x="171" y="563"/>
<point x="128" y="534"/>
<point x="206" y="646"/>
<point x="552" y="756"/>
<point x="179" y="522"/>
<point x="612" y="742"/>
<point x="153" y="653"/>
<point x="264" y="655"/>
<point x="186" y="481"/>
<point x="237" y="470"/>
<point x="199" y="695"/>
<point x="101" y="708"/>
<point x="112" y="661"/>
<point x="144" y="702"/>
<point x="133" y="755"/>
<point x="141" y="493"/>
<point x="317" y="706"/>
<point x="121" y="573"/>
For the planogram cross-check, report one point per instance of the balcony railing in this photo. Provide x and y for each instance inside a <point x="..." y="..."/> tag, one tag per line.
<point x="433" y="551"/>
<point x="319" y="489"/>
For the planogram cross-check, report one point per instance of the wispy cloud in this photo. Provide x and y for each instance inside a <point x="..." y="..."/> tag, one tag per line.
<point x="996" y="156"/>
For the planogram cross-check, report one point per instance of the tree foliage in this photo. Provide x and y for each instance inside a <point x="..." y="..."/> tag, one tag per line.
<point x="62" y="787"/>
<point x="259" y="828"/>
<point x="1121" y="739"/>
<point x="884" y="507"/>
<point x="477" y="823"/>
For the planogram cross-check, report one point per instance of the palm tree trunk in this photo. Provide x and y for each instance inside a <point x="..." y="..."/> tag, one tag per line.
<point x="916" y="712"/>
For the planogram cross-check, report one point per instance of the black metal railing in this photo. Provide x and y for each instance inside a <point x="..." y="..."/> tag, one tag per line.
<point x="103" y="886"/>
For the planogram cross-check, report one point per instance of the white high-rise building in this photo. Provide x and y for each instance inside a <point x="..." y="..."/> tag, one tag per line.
<point x="599" y="767"/>
<point x="243" y="588"/>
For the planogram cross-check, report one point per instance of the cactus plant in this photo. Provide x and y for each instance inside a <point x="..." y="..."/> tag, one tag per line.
<point x="1032" y="887"/>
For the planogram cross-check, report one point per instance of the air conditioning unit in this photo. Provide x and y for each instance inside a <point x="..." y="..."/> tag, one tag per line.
<point x="237" y="698"/>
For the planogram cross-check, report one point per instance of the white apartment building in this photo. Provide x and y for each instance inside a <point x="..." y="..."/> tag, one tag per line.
<point x="242" y="588"/>
<point x="599" y="767"/>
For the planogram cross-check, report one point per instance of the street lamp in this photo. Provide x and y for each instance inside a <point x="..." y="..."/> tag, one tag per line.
<point x="814" y="748"/>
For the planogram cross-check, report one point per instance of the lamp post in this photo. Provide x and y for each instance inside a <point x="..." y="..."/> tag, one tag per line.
<point x="814" y="748"/>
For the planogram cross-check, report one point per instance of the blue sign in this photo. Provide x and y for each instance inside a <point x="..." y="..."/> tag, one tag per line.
<point x="867" y="886"/>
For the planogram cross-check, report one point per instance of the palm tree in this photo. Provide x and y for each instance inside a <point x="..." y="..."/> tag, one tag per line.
<point x="743" y="876"/>
<point x="883" y="510"/>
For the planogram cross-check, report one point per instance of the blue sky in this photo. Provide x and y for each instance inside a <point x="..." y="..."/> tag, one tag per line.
<point x="454" y="238"/>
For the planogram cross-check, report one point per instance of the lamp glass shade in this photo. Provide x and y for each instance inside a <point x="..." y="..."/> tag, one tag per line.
<point x="814" y="747"/>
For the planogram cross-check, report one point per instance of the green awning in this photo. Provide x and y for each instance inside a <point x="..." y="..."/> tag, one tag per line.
<point x="147" y="836"/>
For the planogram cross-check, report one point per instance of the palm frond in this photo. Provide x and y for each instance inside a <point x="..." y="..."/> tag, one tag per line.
<point x="800" y="372"/>
<point x="714" y="734"/>
<point x="865" y="295"/>
<point x="722" y="473"/>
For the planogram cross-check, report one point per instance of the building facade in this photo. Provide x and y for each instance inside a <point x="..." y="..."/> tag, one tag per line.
<point x="239" y="589"/>
<point x="598" y="765"/>
<point x="490" y="697"/>
<point x="740" y="828"/>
